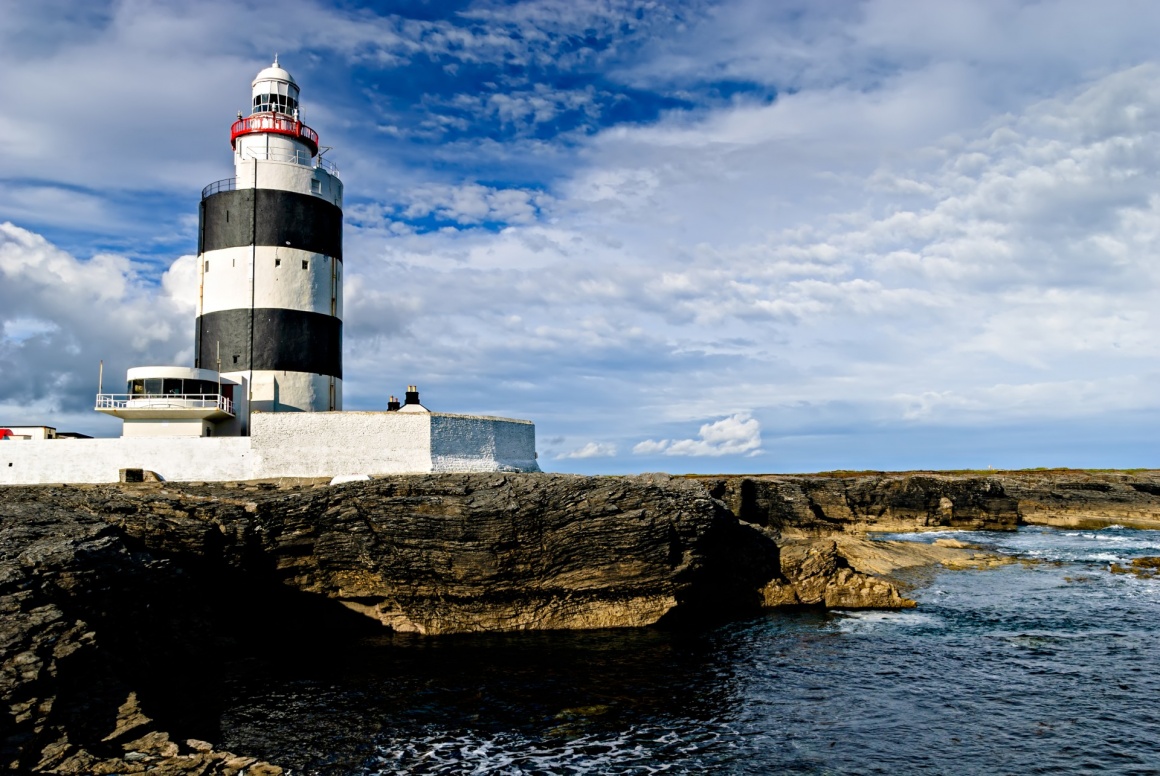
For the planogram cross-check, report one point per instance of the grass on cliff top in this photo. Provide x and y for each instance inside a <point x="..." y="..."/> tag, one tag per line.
<point x="845" y="473"/>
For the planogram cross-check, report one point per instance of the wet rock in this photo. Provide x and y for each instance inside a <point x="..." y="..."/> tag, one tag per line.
<point x="1144" y="568"/>
<point x="816" y="573"/>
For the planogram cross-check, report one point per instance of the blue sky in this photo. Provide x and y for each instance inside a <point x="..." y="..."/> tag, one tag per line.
<point x="680" y="236"/>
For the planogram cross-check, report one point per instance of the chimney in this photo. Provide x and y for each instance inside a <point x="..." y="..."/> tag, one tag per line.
<point x="393" y="404"/>
<point x="412" y="396"/>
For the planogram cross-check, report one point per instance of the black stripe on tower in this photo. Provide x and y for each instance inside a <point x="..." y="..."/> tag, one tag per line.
<point x="286" y="219"/>
<point x="284" y="340"/>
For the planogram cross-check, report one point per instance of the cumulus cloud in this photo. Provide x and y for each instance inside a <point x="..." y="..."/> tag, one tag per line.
<point x="60" y="316"/>
<point x="737" y="434"/>
<point x="591" y="450"/>
<point x="472" y="203"/>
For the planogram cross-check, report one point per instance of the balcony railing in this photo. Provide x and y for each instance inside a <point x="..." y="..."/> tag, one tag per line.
<point x="164" y="401"/>
<point x="225" y="184"/>
<point x="298" y="157"/>
<point x="276" y="124"/>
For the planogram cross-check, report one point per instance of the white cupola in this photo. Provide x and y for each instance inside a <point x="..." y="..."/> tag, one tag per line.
<point x="275" y="91"/>
<point x="274" y="130"/>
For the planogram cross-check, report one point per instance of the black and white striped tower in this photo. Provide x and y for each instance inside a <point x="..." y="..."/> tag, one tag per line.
<point x="270" y="261"/>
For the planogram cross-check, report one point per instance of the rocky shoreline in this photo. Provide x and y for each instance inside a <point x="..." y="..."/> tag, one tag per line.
<point x="121" y="603"/>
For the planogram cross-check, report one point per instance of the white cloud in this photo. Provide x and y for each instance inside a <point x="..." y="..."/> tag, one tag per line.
<point x="60" y="316"/>
<point x="957" y="225"/>
<point x="473" y="203"/>
<point x="591" y="450"/>
<point x="737" y="434"/>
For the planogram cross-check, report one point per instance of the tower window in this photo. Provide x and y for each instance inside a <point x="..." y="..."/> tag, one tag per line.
<point x="235" y="359"/>
<point x="277" y="262"/>
<point x="316" y="187"/>
<point x="207" y="266"/>
<point x="305" y="264"/>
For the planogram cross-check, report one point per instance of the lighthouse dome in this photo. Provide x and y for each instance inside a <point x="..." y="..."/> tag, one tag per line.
<point x="274" y="73"/>
<point x="275" y="91"/>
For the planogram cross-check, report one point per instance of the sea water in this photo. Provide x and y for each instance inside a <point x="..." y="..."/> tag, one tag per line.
<point x="1051" y="665"/>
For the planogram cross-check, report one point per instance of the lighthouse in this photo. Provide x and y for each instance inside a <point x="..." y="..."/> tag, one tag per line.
<point x="263" y="400"/>
<point x="269" y="311"/>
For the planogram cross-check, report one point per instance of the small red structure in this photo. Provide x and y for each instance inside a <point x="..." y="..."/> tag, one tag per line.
<point x="5" y="433"/>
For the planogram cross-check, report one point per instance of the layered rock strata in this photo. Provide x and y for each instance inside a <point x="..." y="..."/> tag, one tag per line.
<point x="119" y="604"/>
<point x="823" y="504"/>
<point x="465" y="553"/>
<point x="1085" y="499"/>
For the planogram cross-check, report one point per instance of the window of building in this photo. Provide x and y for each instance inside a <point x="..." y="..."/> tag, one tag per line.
<point x="305" y="264"/>
<point x="316" y="186"/>
<point x="277" y="262"/>
<point x="207" y="265"/>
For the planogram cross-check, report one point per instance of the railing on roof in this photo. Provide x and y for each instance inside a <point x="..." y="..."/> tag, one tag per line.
<point x="164" y="401"/>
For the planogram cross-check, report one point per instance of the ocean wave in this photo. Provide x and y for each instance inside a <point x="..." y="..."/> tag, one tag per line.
<point x="636" y="750"/>
<point x="855" y="621"/>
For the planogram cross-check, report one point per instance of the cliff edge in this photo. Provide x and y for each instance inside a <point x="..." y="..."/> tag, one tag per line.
<point x="120" y="604"/>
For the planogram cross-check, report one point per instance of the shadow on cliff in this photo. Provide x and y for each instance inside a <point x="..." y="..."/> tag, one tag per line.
<point x="738" y="561"/>
<point x="121" y="643"/>
<point x="207" y="624"/>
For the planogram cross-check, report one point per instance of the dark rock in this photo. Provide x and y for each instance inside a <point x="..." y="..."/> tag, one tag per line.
<point x="822" y="503"/>
<point x="119" y="604"/>
<point x="86" y="629"/>
<point x="468" y="553"/>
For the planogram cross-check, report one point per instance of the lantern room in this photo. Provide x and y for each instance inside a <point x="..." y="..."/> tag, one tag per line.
<point x="274" y="91"/>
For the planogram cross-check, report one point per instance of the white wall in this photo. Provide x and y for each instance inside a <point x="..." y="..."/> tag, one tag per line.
<point x="281" y="391"/>
<point x="320" y="444"/>
<point x="473" y="443"/>
<point x="166" y="428"/>
<point x="99" y="460"/>
<point x="289" y="444"/>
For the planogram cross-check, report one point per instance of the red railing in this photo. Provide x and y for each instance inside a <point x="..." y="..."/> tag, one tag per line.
<point x="278" y="125"/>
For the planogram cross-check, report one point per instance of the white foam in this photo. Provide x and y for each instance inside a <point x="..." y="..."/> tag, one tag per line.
<point x="859" y="622"/>
<point x="476" y="752"/>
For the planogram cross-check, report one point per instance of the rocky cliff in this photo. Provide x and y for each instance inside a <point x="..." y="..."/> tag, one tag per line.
<point x="857" y="502"/>
<point x="1085" y="499"/>
<point x="822" y="504"/>
<point x="120" y="604"/>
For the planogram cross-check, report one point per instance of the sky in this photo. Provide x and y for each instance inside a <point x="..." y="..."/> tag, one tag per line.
<point x="703" y="236"/>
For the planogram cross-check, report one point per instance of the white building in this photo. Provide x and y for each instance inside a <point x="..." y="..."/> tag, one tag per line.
<point x="264" y="397"/>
